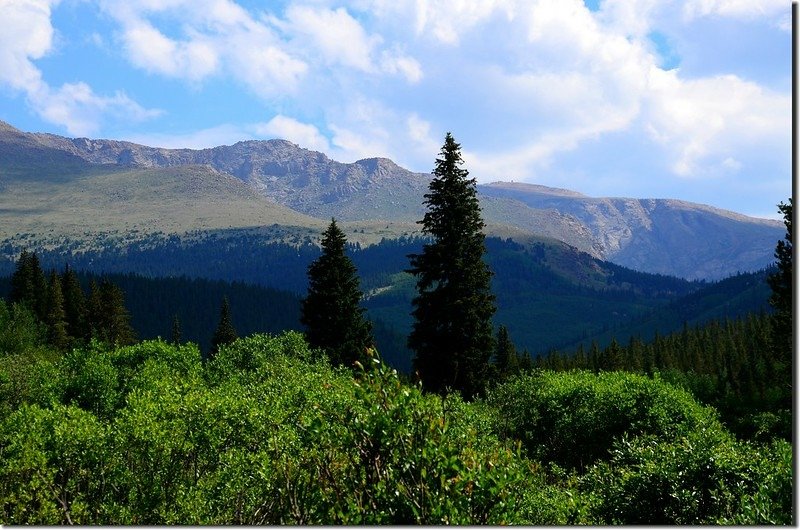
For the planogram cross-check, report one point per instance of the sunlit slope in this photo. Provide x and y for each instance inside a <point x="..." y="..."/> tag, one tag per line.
<point x="169" y="200"/>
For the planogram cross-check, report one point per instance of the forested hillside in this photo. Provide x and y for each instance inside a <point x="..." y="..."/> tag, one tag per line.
<point x="549" y="296"/>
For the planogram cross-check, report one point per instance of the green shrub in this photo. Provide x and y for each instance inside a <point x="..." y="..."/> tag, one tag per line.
<point x="574" y="418"/>
<point x="247" y="355"/>
<point x="705" y="477"/>
<point x="54" y="466"/>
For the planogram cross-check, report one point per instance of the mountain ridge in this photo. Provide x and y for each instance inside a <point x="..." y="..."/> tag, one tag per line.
<point x="666" y="236"/>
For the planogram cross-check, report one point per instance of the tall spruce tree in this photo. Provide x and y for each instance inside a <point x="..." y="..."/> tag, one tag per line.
<point x="107" y="317"/>
<point x="29" y="284"/>
<point x="56" y="316"/>
<point x="452" y="330"/>
<point x="176" y="330"/>
<point x="331" y="311"/>
<point x="74" y="304"/>
<point x="781" y="301"/>
<point x="505" y="356"/>
<point x="225" y="332"/>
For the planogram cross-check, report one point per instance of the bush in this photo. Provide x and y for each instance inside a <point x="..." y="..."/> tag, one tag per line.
<point x="705" y="477"/>
<point x="53" y="466"/>
<point x="573" y="418"/>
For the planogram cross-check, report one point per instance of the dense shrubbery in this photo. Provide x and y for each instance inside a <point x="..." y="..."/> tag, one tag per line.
<point x="573" y="418"/>
<point x="268" y="432"/>
<point x="651" y="453"/>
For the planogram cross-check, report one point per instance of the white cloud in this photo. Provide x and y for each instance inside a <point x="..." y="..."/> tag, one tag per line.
<point x="524" y="84"/>
<point x="735" y="8"/>
<point x="27" y="35"/>
<point x="303" y="134"/>
<point x="446" y="21"/>
<point x="273" y="56"/>
<point x="152" y="51"/>
<point x="336" y="35"/>
<point x="707" y="120"/>
<point x="217" y="37"/>
<point x="393" y="62"/>
<point x="80" y="110"/>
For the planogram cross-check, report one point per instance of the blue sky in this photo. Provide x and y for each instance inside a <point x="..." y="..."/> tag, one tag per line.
<point x="640" y="98"/>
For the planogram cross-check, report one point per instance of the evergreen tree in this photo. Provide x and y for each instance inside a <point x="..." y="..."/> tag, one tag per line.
<point x="452" y="329"/>
<point x="781" y="301"/>
<point x="225" y="332"/>
<point x="56" y="317"/>
<point x="22" y="290"/>
<point x="74" y="304"/>
<point x="524" y="362"/>
<point x="29" y="285"/>
<point x="176" y="330"/>
<point x="94" y="312"/>
<point x="505" y="356"/>
<point x="331" y="311"/>
<point x="108" y="319"/>
<point x="119" y="330"/>
<point x="612" y="357"/>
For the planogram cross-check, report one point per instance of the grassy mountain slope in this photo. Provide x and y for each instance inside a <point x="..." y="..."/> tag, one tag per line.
<point x="378" y="197"/>
<point x="112" y="199"/>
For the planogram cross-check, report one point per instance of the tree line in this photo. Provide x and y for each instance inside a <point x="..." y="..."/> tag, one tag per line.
<point x="72" y="317"/>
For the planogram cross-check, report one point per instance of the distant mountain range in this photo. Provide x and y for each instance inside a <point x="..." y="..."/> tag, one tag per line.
<point x="52" y="187"/>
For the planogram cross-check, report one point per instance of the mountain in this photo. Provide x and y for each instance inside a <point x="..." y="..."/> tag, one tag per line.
<point x="52" y="185"/>
<point x="664" y="236"/>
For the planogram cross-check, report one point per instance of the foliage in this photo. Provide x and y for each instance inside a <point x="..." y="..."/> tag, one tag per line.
<point x="331" y="311"/>
<point x="452" y="330"/>
<point x="267" y="432"/>
<point x="543" y="291"/>
<point x="574" y="418"/>
<point x="703" y="477"/>
<point x="781" y="301"/>
<point x="107" y="317"/>
<point x="29" y="285"/>
<point x="505" y="354"/>
<point x="54" y="466"/>
<point x="56" y="317"/>
<point x="728" y="365"/>
<point x="20" y="330"/>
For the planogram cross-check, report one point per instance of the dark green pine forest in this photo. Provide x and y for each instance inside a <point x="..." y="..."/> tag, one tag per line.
<point x="447" y="379"/>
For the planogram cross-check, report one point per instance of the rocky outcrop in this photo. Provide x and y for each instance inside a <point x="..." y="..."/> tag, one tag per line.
<point x="663" y="236"/>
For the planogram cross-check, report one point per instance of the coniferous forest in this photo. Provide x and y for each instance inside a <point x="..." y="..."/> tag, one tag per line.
<point x="285" y="409"/>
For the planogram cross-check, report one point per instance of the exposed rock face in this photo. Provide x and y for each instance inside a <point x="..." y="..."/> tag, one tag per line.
<point x="652" y="235"/>
<point x="660" y="235"/>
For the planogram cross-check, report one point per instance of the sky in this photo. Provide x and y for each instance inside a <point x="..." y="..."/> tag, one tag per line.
<point x="674" y="99"/>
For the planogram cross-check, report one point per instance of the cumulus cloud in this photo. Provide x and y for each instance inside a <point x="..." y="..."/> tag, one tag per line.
<point x="523" y="84"/>
<point x="303" y="134"/>
<point x="734" y="8"/>
<point x="272" y="54"/>
<point x="27" y="35"/>
<point x="713" y="118"/>
<point x="216" y="37"/>
<point x="76" y="107"/>
<point x="334" y="34"/>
